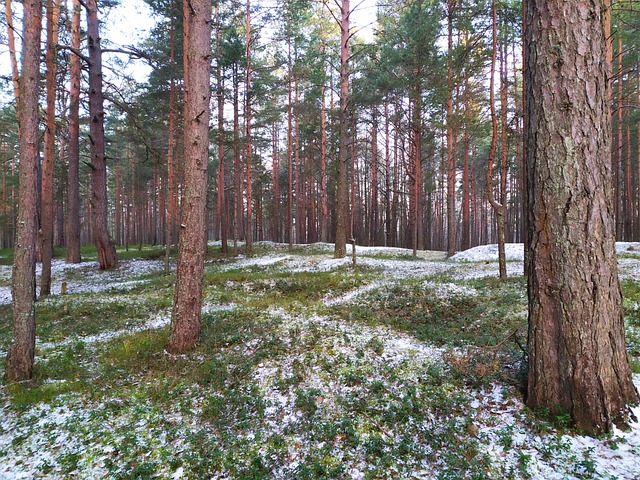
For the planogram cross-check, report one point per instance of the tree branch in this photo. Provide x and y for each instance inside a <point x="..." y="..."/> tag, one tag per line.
<point x="75" y="51"/>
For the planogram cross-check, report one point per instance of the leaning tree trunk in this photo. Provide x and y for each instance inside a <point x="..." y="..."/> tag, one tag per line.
<point x="106" y="249"/>
<point x="21" y="353"/>
<point x="577" y="352"/>
<point x="187" y="303"/>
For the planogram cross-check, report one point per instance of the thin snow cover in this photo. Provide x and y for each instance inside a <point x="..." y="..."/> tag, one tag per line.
<point x="349" y="296"/>
<point x="5" y="295"/>
<point x="507" y="441"/>
<point x="489" y="253"/>
<point x="72" y="427"/>
<point x="632" y="248"/>
<point x="258" y="261"/>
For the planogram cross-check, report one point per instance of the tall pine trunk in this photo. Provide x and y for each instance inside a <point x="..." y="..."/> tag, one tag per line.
<point x="73" y="175"/>
<point x="47" y="214"/>
<point x="247" y="119"/>
<point x="187" y="303"/>
<point x="342" y="196"/>
<point x="451" y="154"/>
<point x="171" y="224"/>
<point x="106" y="250"/>
<point x="20" y="358"/>
<point x="222" y="213"/>
<point x="498" y="208"/>
<point x="577" y="351"/>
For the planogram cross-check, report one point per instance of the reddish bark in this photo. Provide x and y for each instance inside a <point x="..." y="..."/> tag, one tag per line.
<point x="187" y="304"/>
<point x="342" y="199"/>
<point x="577" y="351"/>
<point x="106" y="250"/>
<point x="20" y="357"/>
<point x="222" y="214"/>
<point x="247" y="119"/>
<point x="451" y="154"/>
<point x="47" y="214"/>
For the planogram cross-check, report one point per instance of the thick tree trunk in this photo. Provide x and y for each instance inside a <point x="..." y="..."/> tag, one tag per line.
<point x="342" y="197"/>
<point x="187" y="304"/>
<point x="47" y="215"/>
<point x="21" y="353"/>
<point x="577" y="351"/>
<point x="106" y="250"/>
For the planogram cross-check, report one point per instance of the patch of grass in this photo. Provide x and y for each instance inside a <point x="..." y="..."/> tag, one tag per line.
<point x="391" y="256"/>
<point x="136" y="353"/>
<point x="6" y="256"/>
<point x="87" y="314"/>
<point x="470" y="317"/>
<point x="6" y="322"/>
<point x="264" y="287"/>
<point x="631" y="307"/>
<point x="146" y="252"/>
<point x="458" y="319"/>
<point x="66" y="363"/>
<point x="22" y="396"/>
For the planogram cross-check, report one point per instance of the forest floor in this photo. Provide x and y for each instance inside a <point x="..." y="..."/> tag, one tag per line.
<point x="308" y="368"/>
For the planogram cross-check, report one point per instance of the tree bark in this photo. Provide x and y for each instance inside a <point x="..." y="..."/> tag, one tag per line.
<point x="577" y="351"/>
<point x="247" y="119"/>
<point x="275" y="179"/>
<point x="498" y="208"/>
<point x="620" y="233"/>
<point x="20" y="358"/>
<point x="187" y="304"/>
<point x="73" y="175"/>
<point x="224" y="222"/>
<point x="106" y="250"/>
<point x="466" y="230"/>
<point x="374" y="215"/>
<point x="451" y="154"/>
<point x="238" y="168"/>
<point x="342" y="197"/>
<point x="47" y="215"/>
<point x="171" y="225"/>
<point x="324" y="204"/>
<point x="11" y="41"/>
<point x="290" y="146"/>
